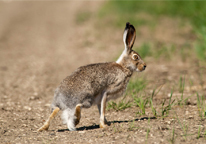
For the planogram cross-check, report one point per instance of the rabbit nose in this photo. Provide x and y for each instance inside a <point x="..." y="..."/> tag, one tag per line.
<point x="145" y="66"/>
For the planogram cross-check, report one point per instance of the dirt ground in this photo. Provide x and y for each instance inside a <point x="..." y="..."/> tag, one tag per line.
<point x="41" y="44"/>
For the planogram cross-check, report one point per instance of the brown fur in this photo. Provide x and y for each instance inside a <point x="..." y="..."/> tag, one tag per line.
<point x="96" y="84"/>
<point x="78" y="114"/>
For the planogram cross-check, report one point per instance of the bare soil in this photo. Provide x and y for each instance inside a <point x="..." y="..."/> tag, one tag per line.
<point x="41" y="43"/>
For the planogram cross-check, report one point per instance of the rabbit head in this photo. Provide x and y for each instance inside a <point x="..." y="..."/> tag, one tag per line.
<point x="129" y="58"/>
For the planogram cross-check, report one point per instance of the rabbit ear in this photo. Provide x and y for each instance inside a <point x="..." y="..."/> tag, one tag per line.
<point x="129" y="36"/>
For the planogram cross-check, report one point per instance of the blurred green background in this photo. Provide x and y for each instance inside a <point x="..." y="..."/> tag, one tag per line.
<point x="137" y="13"/>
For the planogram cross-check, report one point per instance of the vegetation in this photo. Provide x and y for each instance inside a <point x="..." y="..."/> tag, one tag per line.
<point x="193" y="12"/>
<point x="122" y="105"/>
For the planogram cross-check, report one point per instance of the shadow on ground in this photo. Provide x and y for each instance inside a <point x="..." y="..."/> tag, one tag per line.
<point x="95" y="126"/>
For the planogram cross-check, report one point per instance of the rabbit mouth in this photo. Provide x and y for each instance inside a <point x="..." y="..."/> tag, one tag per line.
<point x="138" y="70"/>
<point x="141" y="69"/>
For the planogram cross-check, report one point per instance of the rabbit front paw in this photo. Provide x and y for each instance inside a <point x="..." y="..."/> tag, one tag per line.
<point x="104" y="124"/>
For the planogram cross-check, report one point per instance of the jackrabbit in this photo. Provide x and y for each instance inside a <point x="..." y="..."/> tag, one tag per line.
<point x="95" y="84"/>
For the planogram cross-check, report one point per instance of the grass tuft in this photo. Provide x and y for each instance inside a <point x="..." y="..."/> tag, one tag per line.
<point x="201" y="106"/>
<point x="184" y="128"/>
<point x="172" y="140"/>
<point x="199" y="133"/>
<point x="122" y="105"/>
<point x="141" y="103"/>
<point x="166" y="109"/>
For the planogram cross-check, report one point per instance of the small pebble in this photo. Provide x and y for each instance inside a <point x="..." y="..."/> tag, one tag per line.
<point x="191" y="117"/>
<point x="47" y="105"/>
<point x="27" y="108"/>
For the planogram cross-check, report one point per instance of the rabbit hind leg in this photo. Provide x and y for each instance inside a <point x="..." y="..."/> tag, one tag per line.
<point x="71" y="117"/>
<point x="47" y="123"/>
<point x="78" y="113"/>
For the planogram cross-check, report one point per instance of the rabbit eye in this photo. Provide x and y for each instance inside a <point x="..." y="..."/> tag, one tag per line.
<point x="135" y="57"/>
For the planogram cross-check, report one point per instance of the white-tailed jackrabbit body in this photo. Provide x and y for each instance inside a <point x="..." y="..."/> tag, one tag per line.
<point x="95" y="83"/>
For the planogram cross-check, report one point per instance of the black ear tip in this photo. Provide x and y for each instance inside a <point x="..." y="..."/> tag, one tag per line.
<point x="127" y="25"/>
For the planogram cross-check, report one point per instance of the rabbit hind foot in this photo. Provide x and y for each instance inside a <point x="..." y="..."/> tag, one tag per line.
<point x="47" y="123"/>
